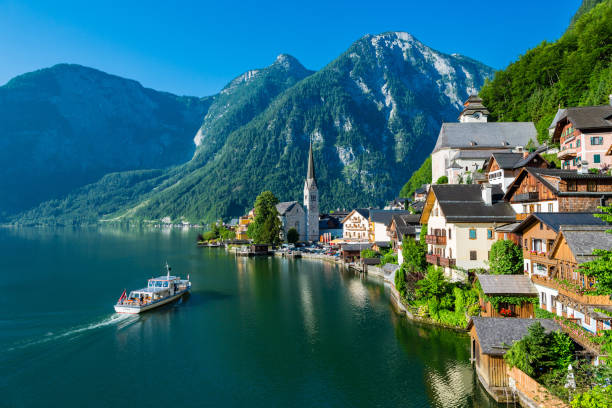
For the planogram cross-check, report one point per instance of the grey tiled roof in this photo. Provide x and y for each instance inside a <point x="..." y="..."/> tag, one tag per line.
<point x="560" y="174"/>
<point x="356" y="246"/>
<point x="463" y="203"/>
<point x="556" y="220"/>
<point x="496" y="334"/>
<point x="583" y="241"/>
<point x="586" y="117"/>
<point x="499" y="285"/>
<point x="285" y="206"/>
<point x="478" y="153"/>
<point x="405" y="224"/>
<point x="485" y="135"/>
<point x="508" y="227"/>
<point x="385" y="216"/>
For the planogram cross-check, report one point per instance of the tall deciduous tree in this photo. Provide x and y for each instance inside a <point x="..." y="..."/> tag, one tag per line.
<point x="266" y="227"/>
<point x="414" y="254"/>
<point x="505" y="258"/>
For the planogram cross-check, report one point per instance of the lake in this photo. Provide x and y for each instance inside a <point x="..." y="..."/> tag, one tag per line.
<point x="257" y="332"/>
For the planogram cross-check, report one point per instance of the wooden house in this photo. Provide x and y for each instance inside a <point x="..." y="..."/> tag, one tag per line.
<point x="503" y="167"/>
<point x="518" y="286"/>
<point x="351" y="252"/>
<point x="555" y="190"/>
<point x="490" y="338"/>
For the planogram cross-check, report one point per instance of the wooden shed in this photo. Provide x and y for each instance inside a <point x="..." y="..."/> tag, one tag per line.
<point x="490" y="338"/>
<point x="508" y="286"/>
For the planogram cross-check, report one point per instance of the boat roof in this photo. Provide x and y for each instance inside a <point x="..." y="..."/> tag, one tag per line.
<point x="165" y="277"/>
<point x="150" y="290"/>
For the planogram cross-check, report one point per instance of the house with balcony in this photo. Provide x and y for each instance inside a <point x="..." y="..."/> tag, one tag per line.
<point x="584" y="135"/>
<point x="356" y="225"/>
<point x="565" y="290"/>
<point x="463" y="148"/>
<point x="461" y="220"/>
<point x="557" y="190"/>
<point x="403" y="225"/>
<point x="506" y="286"/>
<point x="503" y="167"/>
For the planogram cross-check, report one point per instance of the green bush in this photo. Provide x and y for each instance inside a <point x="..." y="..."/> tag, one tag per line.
<point x="442" y="180"/>
<point x="400" y="282"/>
<point x="369" y="253"/>
<point x="505" y="258"/>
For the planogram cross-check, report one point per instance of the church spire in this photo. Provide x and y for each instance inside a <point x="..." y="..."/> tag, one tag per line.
<point x="311" y="170"/>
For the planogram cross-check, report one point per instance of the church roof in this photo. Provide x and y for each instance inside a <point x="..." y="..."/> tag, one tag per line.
<point x="311" y="178"/>
<point x="485" y="135"/>
<point x="286" y="206"/>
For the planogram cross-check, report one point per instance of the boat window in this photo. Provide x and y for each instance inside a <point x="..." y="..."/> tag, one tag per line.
<point x="158" y="284"/>
<point x="165" y="284"/>
<point x="151" y="283"/>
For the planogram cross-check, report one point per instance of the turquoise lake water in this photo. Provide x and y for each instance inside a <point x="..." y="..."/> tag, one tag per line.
<point x="259" y="332"/>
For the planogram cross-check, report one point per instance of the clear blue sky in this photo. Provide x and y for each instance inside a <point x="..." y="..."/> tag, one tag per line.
<point x="196" y="47"/>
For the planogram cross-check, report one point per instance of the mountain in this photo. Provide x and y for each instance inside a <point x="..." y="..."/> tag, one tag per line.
<point x="575" y="70"/>
<point x="373" y="115"/>
<point x="68" y="125"/>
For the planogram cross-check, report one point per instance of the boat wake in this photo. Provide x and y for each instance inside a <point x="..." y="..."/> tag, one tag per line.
<point x="119" y="320"/>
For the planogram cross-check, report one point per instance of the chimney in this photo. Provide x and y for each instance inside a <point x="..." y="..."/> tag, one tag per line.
<point x="487" y="194"/>
<point x="583" y="167"/>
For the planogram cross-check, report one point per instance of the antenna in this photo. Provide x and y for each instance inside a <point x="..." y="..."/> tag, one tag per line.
<point x="167" y="269"/>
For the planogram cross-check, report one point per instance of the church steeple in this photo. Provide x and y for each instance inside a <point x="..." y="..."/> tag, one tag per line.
<point x="310" y="176"/>
<point x="311" y="200"/>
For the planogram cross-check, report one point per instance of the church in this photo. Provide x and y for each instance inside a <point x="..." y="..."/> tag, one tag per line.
<point x="304" y="219"/>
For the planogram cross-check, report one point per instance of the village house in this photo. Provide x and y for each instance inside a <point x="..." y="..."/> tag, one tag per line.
<point x="403" y="225"/>
<point x="331" y="224"/>
<point x="490" y="339"/>
<point x="507" y="286"/>
<point x="563" y="288"/>
<point x="292" y="215"/>
<point x="503" y="167"/>
<point x="243" y="225"/>
<point x="379" y="222"/>
<point x="463" y="148"/>
<point x="420" y="194"/>
<point x="397" y="204"/>
<point x="557" y="190"/>
<point x="356" y="225"/>
<point x="351" y="251"/>
<point x="584" y="134"/>
<point x="460" y="221"/>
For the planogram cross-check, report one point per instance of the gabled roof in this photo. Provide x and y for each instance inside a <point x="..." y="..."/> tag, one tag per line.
<point x="584" y="118"/>
<point x="285" y="206"/>
<point x="356" y="246"/>
<point x="364" y="212"/>
<point x="556" y="220"/>
<point x="502" y="285"/>
<point x="497" y="334"/>
<point x="560" y="174"/>
<point x="513" y="161"/>
<point x="485" y="135"/>
<point x="463" y="203"/>
<point x="385" y="216"/>
<point x="582" y="241"/>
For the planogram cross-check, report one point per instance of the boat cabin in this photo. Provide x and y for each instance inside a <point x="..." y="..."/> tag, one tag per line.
<point x="157" y="288"/>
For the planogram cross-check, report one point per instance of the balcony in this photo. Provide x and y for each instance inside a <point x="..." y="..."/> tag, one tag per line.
<point x="450" y="262"/>
<point x="433" y="259"/>
<point x="582" y="298"/>
<point x="525" y="197"/>
<point x="539" y="257"/>
<point x="435" y="239"/>
<point x="567" y="153"/>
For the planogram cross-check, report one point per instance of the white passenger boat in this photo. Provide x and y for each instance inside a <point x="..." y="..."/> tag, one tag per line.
<point x="159" y="291"/>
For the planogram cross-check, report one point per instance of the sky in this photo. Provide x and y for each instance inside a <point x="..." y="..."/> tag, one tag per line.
<point x="196" y="47"/>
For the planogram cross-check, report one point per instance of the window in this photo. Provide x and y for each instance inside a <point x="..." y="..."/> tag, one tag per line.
<point x="472" y="233"/>
<point x="543" y="298"/>
<point x="587" y="320"/>
<point x="596" y="158"/>
<point x="541" y="225"/>
<point x="537" y="245"/>
<point x="449" y="234"/>
<point x="524" y="209"/>
<point x="578" y="143"/>
<point x="553" y="302"/>
<point x="597" y="140"/>
<point x="571" y="185"/>
<point x="489" y="234"/>
<point x="591" y="186"/>
<point x="473" y="256"/>
<point x="550" y="207"/>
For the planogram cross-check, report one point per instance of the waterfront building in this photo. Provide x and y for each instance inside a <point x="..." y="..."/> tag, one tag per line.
<point x="490" y="338"/>
<point x="292" y="215"/>
<point x="351" y="252"/>
<point x="461" y="221"/>
<point x="503" y="167"/>
<point x="379" y="222"/>
<point x="508" y="286"/>
<point x="463" y="148"/>
<point x="311" y="201"/>
<point x="356" y="225"/>
<point x="330" y="224"/>
<point x="584" y="134"/>
<point x="243" y="225"/>
<point x="557" y="190"/>
<point x="403" y="225"/>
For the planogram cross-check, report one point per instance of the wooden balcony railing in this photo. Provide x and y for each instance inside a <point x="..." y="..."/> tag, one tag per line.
<point x="433" y="259"/>
<point x="450" y="262"/>
<point x="525" y="197"/>
<point x="581" y="298"/>
<point x="435" y="239"/>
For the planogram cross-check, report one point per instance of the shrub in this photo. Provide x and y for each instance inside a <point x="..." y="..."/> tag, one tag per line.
<point x="369" y="253"/>
<point x="505" y="258"/>
<point x="442" y="180"/>
<point x="293" y="236"/>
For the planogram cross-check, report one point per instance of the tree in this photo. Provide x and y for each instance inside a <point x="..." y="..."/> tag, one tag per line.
<point x="505" y="258"/>
<point x="414" y="254"/>
<point x="293" y="236"/>
<point x="433" y="285"/>
<point x="418" y="178"/>
<point x="266" y="227"/>
<point x="423" y="234"/>
<point x="442" y="180"/>
<point x="400" y="282"/>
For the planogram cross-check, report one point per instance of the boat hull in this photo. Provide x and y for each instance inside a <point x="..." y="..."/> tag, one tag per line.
<point x="137" y="309"/>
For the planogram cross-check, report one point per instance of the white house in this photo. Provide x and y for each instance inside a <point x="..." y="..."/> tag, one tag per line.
<point x="356" y="225"/>
<point x="461" y="221"/>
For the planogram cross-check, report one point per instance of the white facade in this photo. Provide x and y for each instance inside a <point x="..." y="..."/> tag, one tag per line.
<point x="501" y="178"/>
<point x="536" y="206"/>
<point x="355" y="227"/>
<point x="380" y="233"/>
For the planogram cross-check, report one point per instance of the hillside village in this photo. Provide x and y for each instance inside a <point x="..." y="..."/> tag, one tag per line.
<point x="491" y="183"/>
